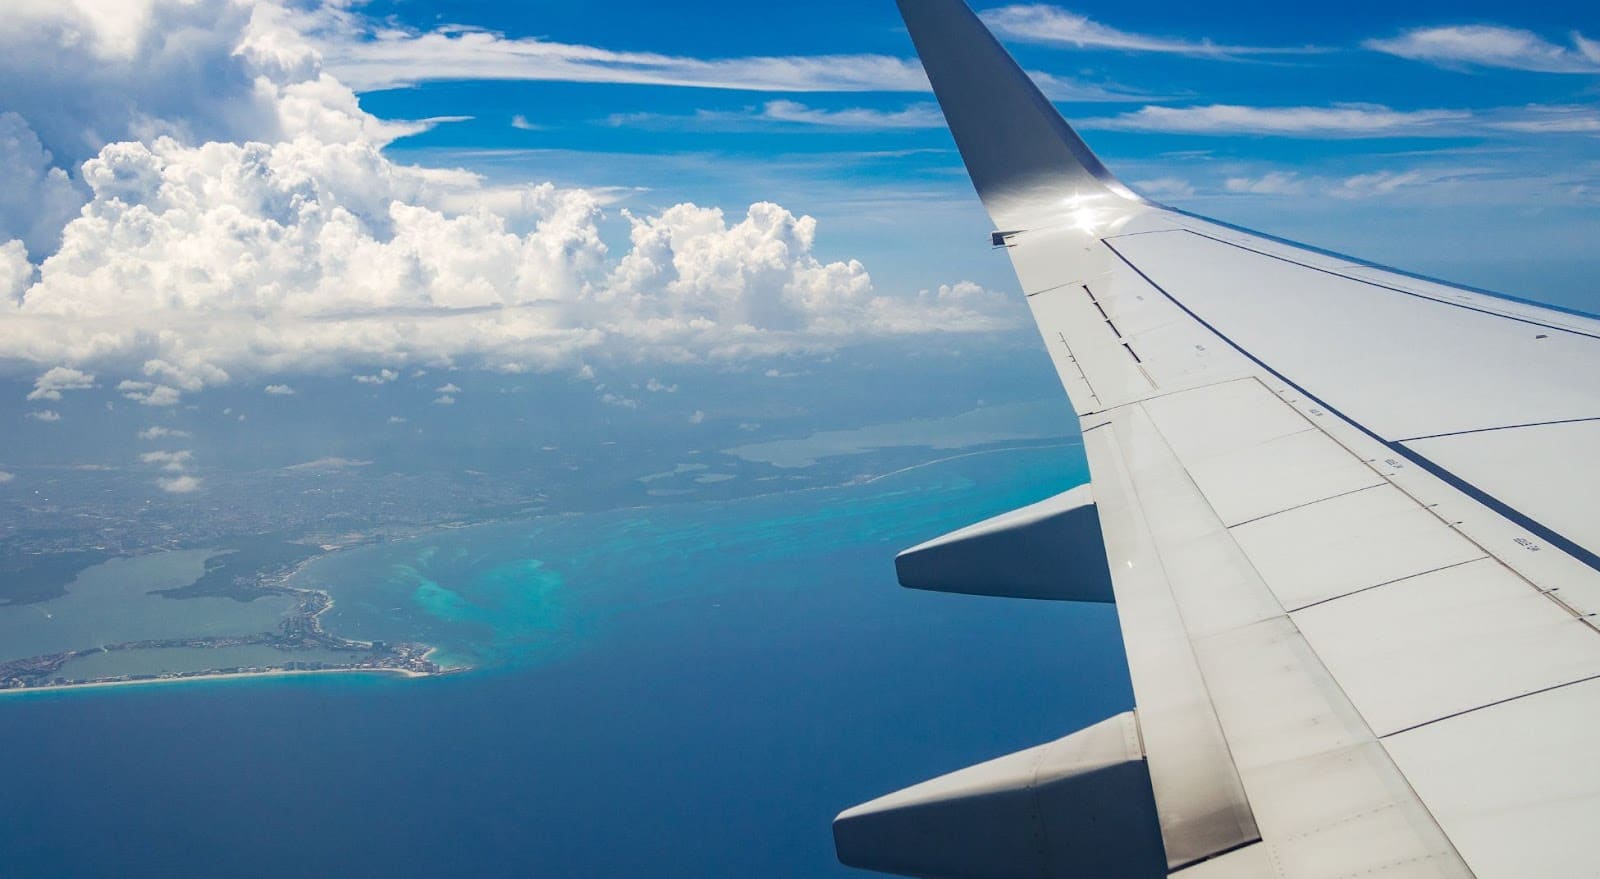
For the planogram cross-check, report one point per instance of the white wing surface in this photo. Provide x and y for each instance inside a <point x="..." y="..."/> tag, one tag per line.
<point x="1351" y="521"/>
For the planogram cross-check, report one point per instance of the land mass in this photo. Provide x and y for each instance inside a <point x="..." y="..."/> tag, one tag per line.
<point x="41" y="578"/>
<point x="301" y="630"/>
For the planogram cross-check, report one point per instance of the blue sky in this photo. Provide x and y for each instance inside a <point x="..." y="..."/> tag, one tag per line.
<point x="1447" y="136"/>
<point x="208" y="202"/>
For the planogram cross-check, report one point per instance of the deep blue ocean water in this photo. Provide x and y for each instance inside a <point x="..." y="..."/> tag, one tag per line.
<point x="691" y="690"/>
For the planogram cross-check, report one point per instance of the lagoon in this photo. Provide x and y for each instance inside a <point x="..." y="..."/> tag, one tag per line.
<point x="116" y="602"/>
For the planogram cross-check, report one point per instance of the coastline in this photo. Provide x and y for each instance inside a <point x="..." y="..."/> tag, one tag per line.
<point x="222" y="676"/>
<point x="301" y="628"/>
<point x="318" y="600"/>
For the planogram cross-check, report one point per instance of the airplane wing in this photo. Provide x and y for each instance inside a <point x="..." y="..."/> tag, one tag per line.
<point x="1349" y="520"/>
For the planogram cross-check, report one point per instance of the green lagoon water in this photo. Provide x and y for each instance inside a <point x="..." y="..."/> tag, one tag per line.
<point x="114" y="602"/>
<point x="172" y="660"/>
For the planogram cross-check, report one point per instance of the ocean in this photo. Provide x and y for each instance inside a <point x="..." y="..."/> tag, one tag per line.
<point x="690" y="690"/>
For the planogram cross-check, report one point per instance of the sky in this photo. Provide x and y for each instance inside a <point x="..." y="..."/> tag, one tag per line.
<point x="209" y="197"/>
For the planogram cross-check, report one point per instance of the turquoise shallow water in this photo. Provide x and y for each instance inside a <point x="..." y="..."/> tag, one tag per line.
<point x="683" y="691"/>
<point x="508" y="594"/>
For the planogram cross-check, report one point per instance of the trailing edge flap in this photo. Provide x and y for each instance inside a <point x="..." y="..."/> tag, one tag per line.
<point x="1051" y="550"/>
<point x="1079" y="806"/>
<point x="1028" y="165"/>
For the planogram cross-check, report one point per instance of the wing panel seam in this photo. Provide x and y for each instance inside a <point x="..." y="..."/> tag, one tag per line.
<point x="1366" y="589"/>
<point x="1400" y="290"/>
<point x="1498" y="702"/>
<point x="1414" y="439"/>
<point x="1555" y="538"/>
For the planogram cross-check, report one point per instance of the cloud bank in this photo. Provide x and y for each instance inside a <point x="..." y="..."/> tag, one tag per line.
<point x="208" y="201"/>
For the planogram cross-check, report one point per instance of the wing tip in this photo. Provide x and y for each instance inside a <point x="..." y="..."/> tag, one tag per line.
<point x="1024" y="159"/>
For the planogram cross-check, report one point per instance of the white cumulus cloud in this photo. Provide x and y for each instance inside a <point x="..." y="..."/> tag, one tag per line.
<point x="50" y="385"/>
<point x="16" y="273"/>
<point x="149" y="393"/>
<point x="234" y="213"/>
<point x="381" y="377"/>
<point x="279" y="390"/>
<point x="179" y="484"/>
<point x="174" y="461"/>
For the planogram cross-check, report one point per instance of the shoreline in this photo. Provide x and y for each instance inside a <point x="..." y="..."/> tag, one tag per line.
<point x="318" y="600"/>
<point x="301" y="627"/>
<point x="223" y="676"/>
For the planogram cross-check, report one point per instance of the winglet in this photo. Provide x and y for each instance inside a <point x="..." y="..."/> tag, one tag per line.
<point x="1029" y="166"/>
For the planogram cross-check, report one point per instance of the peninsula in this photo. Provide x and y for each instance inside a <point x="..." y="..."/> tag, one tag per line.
<point x="300" y="633"/>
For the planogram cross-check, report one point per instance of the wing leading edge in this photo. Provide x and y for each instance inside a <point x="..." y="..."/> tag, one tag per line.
<point x="1350" y="531"/>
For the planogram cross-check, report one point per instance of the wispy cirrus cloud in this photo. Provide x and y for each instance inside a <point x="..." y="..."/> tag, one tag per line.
<point x="1270" y="183"/>
<point x="1439" y="185"/>
<point x="323" y="465"/>
<point x="393" y="59"/>
<point x="925" y="115"/>
<point x="1348" y="121"/>
<point x="1480" y="45"/>
<point x="1338" y="121"/>
<point x="1374" y="184"/>
<point x="371" y="58"/>
<point x="1549" y="120"/>
<point x="1377" y="184"/>
<point x="1052" y="25"/>
<point x="1165" y="187"/>
<point x="792" y="113"/>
